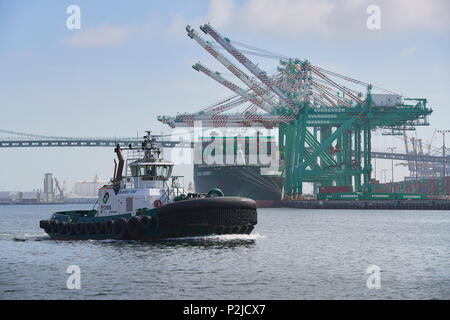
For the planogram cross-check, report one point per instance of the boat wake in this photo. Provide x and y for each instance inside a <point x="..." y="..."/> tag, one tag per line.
<point x="23" y="237"/>
<point x="222" y="237"/>
<point x="211" y="238"/>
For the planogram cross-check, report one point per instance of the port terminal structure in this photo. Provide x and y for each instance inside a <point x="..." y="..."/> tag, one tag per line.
<point x="324" y="119"/>
<point x="324" y="125"/>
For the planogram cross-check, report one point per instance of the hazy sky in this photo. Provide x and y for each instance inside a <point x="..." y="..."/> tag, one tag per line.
<point x="131" y="61"/>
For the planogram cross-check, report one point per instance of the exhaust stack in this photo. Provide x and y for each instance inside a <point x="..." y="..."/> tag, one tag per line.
<point x="118" y="175"/>
<point x="115" y="169"/>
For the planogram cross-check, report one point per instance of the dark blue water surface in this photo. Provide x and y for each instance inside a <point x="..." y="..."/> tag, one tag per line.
<point x="291" y="254"/>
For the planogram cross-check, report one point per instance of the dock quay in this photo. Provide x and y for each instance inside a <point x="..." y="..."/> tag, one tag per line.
<point x="369" y="204"/>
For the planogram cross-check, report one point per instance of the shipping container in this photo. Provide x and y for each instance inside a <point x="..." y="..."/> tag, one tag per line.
<point x="410" y="196"/>
<point x="340" y="196"/>
<point x="335" y="189"/>
<point x="380" y="196"/>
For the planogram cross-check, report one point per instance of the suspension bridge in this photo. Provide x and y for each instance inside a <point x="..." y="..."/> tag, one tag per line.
<point x="14" y="139"/>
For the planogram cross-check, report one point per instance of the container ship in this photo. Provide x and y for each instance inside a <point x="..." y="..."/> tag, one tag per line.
<point x="239" y="171"/>
<point x="263" y="182"/>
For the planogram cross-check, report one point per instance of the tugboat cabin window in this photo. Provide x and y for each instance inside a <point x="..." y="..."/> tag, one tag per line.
<point x="152" y="172"/>
<point x="148" y="172"/>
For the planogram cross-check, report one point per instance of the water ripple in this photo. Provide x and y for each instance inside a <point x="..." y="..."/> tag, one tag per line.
<point x="292" y="254"/>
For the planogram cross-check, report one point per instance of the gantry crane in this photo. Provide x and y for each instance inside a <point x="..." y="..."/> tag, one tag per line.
<point x="324" y="119"/>
<point x="422" y="169"/>
<point x="59" y="189"/>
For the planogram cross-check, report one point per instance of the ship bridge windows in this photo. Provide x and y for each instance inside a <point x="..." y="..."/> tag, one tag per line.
<point x="134" y="171"/>
<point x="152" y="172"/>
<point x="163" y="172"/>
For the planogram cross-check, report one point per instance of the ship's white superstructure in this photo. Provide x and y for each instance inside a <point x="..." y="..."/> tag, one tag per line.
<point x="147" y="183"/>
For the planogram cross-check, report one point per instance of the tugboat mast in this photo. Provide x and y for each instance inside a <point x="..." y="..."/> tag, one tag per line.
<point x="151" y="149"/>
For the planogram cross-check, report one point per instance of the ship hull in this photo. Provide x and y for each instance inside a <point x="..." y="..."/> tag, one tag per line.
<point x="188" y="218"/>
<point x="239" y="181"/>
<point x="268" y="203"/>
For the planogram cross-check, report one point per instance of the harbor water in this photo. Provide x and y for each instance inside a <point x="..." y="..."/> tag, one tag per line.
<point x="291" y="254"/>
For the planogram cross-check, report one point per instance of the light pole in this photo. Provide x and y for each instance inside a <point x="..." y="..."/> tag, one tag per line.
<point x="375" y="168"/>
<point x="383" y="171"/>
<point x="392" y="167"/>
<point x="443" y="157"/>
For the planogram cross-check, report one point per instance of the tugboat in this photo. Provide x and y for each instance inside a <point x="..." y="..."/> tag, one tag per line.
<point x="148" y="203"/>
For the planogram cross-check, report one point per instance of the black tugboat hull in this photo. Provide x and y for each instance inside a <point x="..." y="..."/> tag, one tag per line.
<point x="187" y="218"/>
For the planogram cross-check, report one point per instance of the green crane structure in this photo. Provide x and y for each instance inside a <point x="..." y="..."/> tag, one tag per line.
<point x="324" y="119"/>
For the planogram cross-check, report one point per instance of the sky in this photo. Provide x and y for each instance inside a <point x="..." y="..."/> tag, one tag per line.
<point x="131" y="61"/>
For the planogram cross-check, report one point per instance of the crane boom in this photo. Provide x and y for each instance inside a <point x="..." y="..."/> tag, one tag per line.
<point x="216" y="76"/>
<point x="218" y="103"/>
<point x="319" y="98"/>
<point x="227" y="120"/>
<point x="230" y="66"/>
<point x="227" y="106"/>
<point x="257" y="72"/>
<point x="321" y="75"/>
<point x="324" y="89"/>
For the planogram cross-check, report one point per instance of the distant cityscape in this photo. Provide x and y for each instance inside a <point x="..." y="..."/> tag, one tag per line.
<point x="56" y="192"/>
